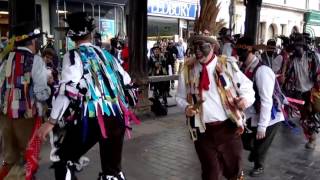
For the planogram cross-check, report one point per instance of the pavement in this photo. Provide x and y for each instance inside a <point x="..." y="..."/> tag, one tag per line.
<point x="161" y="149"/>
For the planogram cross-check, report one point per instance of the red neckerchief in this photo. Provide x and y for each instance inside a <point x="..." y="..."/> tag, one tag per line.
<point x="204" y="78"/>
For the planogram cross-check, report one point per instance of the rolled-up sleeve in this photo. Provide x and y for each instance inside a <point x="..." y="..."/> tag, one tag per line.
<point x="39" y="75"/>
<point x="181" y="96"/>
<point x="69" y="73"/>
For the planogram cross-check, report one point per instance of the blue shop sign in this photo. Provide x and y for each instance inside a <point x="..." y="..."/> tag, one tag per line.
<point x="170" y="8"/>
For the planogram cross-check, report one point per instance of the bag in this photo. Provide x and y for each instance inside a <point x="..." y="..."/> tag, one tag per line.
<point x="158" y="108"/>
<point x="248" y="137"/>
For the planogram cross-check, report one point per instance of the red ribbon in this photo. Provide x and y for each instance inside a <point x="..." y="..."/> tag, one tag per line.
<point x="204" y="79"/>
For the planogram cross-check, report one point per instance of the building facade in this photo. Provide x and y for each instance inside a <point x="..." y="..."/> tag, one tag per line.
<point x="277" y="17"/>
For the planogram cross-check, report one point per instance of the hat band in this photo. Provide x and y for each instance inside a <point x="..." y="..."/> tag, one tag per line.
<point x="26" y="36"/>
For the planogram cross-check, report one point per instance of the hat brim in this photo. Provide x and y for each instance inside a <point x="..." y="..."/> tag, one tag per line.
<point x="17" y="40"/>
<point x="198" y="38"/>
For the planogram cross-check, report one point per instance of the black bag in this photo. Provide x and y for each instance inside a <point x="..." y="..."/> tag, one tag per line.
<point x="248" y="137"/>
<point x="158" y="108"/>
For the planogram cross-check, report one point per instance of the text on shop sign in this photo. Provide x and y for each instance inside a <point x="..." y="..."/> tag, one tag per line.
<point x="172" y="8"/>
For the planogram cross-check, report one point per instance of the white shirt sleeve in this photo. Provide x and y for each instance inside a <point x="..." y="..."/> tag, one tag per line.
<point x="39" y="75"/>
<point x="126" y="77"/>
<point x="181" y="96"/>
<point x="246" y="90"/>
<point x="69" y="73"/>
<point x="265" y="80"/>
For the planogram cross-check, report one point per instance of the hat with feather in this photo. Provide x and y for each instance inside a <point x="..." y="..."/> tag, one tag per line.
<point x="206" y="24"/>
<point x="25" y="31"/>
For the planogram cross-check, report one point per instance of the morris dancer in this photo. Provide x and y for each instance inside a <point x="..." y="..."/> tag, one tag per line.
<point x="266" y="114"/>
<point x="23" y="83"/>
<point x="213" y="92"/>
<point x="91" y="100"/>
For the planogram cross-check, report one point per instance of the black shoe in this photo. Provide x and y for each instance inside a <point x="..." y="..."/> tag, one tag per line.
<point x="256" y="172"/>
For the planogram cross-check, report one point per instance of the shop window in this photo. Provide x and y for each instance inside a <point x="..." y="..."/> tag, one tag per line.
<point x="160" y="26"/>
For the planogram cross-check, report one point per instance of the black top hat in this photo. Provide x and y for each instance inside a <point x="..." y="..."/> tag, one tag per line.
<point x="25" y="31"/>
<point x="300" y="39"/>
<point x="271" y="42"/>
<point x="225" y="33"/>
<point x="80" y="24"/>
<point x="285" y="40"/>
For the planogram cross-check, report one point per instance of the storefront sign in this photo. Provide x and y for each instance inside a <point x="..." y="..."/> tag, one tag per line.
<point x="108" y="28"/>
<point x="171" y="8"/>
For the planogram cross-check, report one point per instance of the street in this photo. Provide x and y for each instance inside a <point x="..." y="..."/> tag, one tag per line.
<point x="162" y="150"/>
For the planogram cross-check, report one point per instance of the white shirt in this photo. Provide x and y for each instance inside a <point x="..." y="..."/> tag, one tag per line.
<point x="301" y="68"/>
<point x="277" y="64"/>
<point x="39" y="77"/>
<point x="74" y="73"/>
<point x="265" y="81"/>
<point x="213" y="109"/>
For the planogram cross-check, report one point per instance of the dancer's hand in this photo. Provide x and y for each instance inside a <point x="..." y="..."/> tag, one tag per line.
<point x="260" y="135"/>
<point x="241" y="103"/>
<point x="190" y="111"/>
<point x="44" y="130"/>
<point x="240" y="130"/>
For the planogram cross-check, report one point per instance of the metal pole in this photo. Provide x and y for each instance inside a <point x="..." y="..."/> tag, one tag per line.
<point x="57" y="7"/>
<point x="99" y="19"/>
<point x="115" y="20"/>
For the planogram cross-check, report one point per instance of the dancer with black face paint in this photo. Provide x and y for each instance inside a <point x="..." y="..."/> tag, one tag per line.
<point x="271" y="57"/>
<point x="213" y="105"/>
<point x="261" y="119"/>
<point x="301" y="77"/>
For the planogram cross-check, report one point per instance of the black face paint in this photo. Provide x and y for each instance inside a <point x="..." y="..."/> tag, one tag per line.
<point x="298" y="51"/>
<point x="202" y="50"/>
<point x="243" y="54"/>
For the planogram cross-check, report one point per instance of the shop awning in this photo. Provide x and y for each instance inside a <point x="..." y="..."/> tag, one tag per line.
<point x="312" y="20"/>
<point x="114" y="2"/>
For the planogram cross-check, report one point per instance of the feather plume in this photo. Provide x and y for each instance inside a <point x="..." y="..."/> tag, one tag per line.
<point x="207" y="20"/>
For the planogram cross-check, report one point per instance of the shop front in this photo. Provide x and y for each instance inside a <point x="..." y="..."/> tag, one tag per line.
<point x="109" y="18"/>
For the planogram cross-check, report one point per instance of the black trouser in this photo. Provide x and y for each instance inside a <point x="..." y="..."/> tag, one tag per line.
<point x="74" y="146"/>
<point x="261" y="147"/>
<point x="220" y="151"/>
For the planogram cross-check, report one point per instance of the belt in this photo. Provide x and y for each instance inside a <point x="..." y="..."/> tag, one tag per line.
<point x="215" y="123"/>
